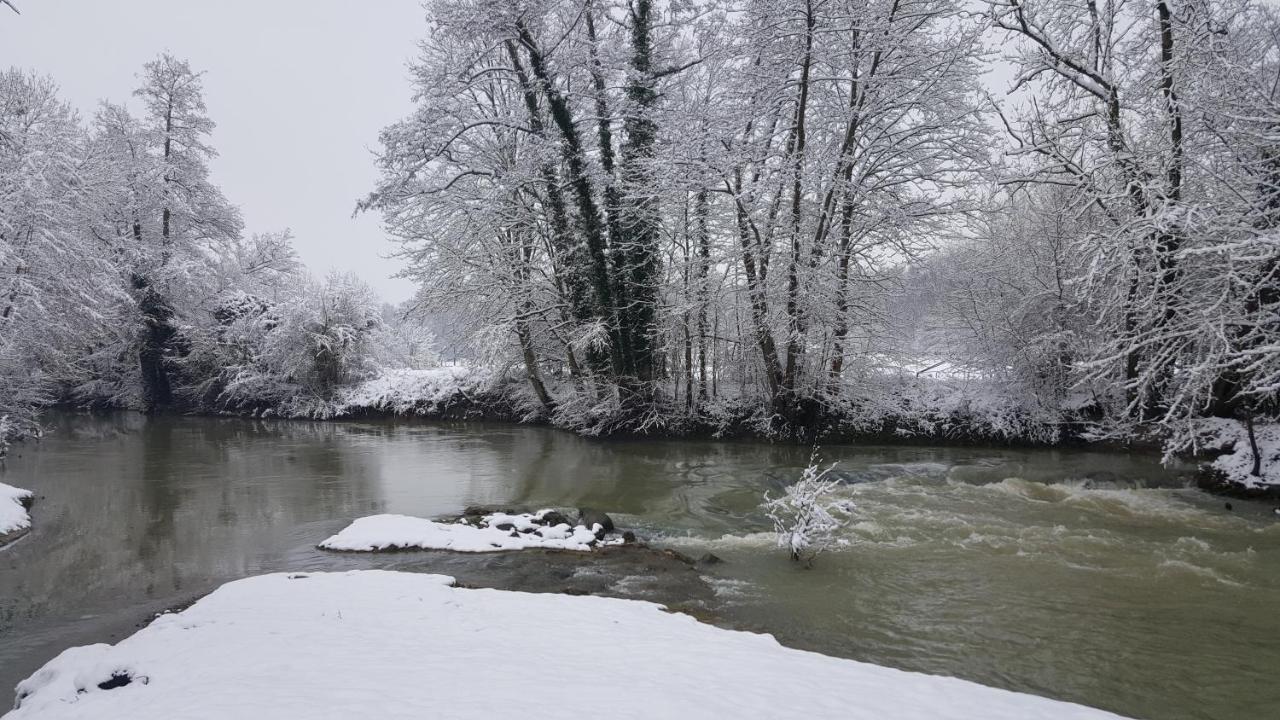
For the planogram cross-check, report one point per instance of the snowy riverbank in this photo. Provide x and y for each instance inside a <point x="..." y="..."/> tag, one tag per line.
<point x="1240" y="465"/>
<point x="15" y="521"/>
<point x="401" y="645"/>
<point x="889" y="409"/>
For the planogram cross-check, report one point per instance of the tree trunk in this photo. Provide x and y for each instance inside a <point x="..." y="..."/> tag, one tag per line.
<point x="796" y="151"/>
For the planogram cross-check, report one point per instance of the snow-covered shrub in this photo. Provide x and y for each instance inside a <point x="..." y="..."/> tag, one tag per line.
<point x="807" y="516"/>
<point x="308" y="345"/>
<point x="405" y="391"/>
<point x="404" y="341"/>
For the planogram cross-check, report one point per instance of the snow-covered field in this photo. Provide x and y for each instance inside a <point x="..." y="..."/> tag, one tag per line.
<point x="497" y="532"/>
<point x="388" y="645"/>
<point x="13" y="511"/>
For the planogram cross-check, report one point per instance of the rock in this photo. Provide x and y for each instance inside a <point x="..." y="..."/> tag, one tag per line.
<point x="1229" y="506"/>
<point x="710" y="559"/>
<point x="117" y="680"/>
<point x="588" y="518"/>
<point x="677" y="555"/>
<point x="628" y="537"/>
<point x="505" y="526"/>
<point x="554" y="518"/>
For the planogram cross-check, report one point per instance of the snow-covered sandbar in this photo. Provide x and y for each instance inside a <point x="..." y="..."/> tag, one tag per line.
<point x="15" y="521"/>
<point x="495" y="532"/>
<point x="390" y="645"/>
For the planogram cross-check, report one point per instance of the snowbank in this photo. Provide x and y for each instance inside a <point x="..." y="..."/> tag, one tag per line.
<point x="406" y="645"/>
<point x="1235" y="464"/>
<point x="14" y="520"/>
<point x="495" y="532"/>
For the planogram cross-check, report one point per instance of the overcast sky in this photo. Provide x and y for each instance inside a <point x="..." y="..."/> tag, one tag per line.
<point x="299" y="90"/>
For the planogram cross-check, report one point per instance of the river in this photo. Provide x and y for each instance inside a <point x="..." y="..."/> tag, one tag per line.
<point x="1097" y="578"/>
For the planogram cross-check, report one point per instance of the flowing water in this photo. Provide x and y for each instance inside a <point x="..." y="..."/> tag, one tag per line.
<point x="1092" y="577"/>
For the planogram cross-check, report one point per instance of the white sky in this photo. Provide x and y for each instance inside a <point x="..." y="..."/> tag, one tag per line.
<point x="299" y="90"/>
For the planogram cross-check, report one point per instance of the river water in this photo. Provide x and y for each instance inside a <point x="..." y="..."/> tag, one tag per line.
<point x="1091" y="577"/>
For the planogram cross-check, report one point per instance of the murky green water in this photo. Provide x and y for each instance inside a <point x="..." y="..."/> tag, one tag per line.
<point x="1089" y="577"/>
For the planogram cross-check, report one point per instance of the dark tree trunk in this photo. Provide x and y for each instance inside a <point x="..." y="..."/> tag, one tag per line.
<point x="593" y="263"/>
<point x="157" y="334"/>
<point x="639" y="253"/>
<point x="795" y="151"/>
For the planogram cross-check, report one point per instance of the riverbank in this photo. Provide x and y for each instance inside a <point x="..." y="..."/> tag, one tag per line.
<point x="897" y="410"/>
<point x="396" y="645"/>
<point x="15" y="520"/>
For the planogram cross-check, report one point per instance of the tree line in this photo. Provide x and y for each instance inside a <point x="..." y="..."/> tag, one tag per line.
<point x="1015" y="219"/>
<point x="671" y="209"/>
<point x="128" y="279"/>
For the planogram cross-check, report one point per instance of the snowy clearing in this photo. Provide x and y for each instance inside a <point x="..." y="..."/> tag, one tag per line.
<point x="498" y="532"/>
<point x="14" y="518"/>
<point x="406" y="645"/>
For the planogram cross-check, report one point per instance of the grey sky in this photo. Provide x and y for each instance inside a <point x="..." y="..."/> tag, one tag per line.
<point x="299" y="90"/>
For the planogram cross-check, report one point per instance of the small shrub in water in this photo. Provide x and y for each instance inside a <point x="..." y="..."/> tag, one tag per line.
<point x="806" y="516"/>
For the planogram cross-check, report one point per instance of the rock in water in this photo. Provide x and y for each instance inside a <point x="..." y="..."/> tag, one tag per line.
<point x="553" y="518"/>
<point x="588" y="518"/>
<point x="710" y="559"/>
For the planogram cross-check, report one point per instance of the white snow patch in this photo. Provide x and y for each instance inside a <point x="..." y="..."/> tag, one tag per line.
<point x="391" y="645"/>
<point x="13" y="511"/>
<point x="395" y="532"/>
<point x="1237" y="463"/>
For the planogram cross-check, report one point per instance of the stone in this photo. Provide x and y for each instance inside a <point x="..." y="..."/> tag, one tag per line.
<point x="710" y="559"/>
<point x="628" y="537"/>
<point x="588" y="518"/>
<point x="554" y="518"/>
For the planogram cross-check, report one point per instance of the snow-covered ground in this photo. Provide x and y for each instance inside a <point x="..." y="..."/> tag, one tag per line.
<point x="389" y="645"/>
<point x="13" y="511"/>
<point x="495" y="533"/>
<point x="1236" y="463"/>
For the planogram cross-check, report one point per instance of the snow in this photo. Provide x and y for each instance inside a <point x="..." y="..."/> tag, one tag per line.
<point x="398" y="391"/>
<point x="13" y="510"/>
<point x="393" y="645"/>
<point x="397" y="532"/>
<point x="1236" y="463"/>
<point x="407" y="392"/>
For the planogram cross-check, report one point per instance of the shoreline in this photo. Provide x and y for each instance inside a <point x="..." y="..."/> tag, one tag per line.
<point x="486" y="651"/>
<point x="25" y="499"/>
<point x="500" y="412"/>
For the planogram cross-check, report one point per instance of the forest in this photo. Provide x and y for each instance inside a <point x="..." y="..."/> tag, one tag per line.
<point x="999" y="221"/>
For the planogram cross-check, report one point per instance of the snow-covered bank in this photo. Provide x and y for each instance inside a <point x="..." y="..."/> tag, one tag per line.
<point x="1233" y="468"/>
<point x="494" y="532"/>
<point x="406" y="645"/>
<point x="452" y="392"/>
<point x="14" y="519"/>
